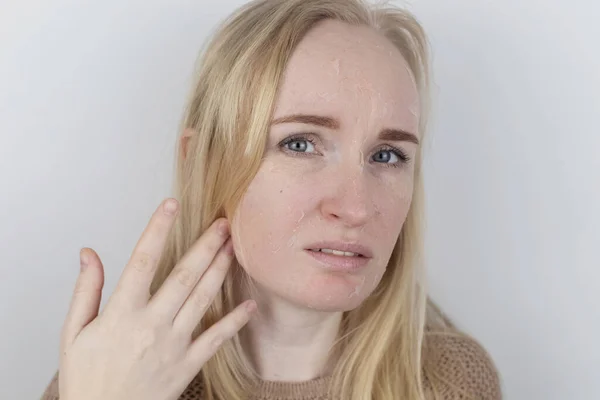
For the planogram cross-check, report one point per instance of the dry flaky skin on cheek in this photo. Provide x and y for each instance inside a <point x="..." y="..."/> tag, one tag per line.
<point x="238" y="245"/>
<point x="294" y="237"/>
<point x="337" y="193"/>
<point x="358" y="287"/>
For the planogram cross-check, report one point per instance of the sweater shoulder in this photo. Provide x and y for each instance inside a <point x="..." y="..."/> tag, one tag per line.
<point x="458" y="367"/>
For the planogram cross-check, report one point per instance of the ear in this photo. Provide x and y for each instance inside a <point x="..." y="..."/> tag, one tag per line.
<point x="188" y="133"/>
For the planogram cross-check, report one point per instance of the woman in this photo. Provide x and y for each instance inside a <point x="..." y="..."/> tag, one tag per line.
<point x="299" y="187"/>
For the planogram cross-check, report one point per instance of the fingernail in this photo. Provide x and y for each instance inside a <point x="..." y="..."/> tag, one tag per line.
<point x="170" y="207"/>
<point x="84" y="259"/>
<point x="223" y="228"/>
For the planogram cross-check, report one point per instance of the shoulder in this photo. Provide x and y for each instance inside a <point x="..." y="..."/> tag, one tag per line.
<point x="457" y="366"/>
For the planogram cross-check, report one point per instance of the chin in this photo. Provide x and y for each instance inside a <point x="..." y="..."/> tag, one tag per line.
<point x="328" y="292"/>
<point x="334" y="305"/>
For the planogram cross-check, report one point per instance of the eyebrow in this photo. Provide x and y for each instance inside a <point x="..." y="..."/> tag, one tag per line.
<point x="393" y="134"/>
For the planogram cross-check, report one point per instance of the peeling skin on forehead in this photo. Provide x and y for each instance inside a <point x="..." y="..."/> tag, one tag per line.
<point x="352" y="80"/>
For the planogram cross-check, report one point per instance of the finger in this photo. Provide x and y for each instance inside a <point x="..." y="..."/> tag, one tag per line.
<point x="87" y="295"/>
<point x="133" y="288"/>
<point x="207" y="344"/>
<point x="186" y="274"/>
<point x="205" y="291"/>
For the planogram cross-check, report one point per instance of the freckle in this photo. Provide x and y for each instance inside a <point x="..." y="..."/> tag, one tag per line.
<point x="281" y="191"/>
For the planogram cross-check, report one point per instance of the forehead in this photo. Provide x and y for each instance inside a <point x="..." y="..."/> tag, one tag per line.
<point x="349" y="72"/>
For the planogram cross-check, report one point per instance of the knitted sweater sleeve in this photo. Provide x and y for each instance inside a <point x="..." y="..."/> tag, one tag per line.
<point x="461" y="369"/>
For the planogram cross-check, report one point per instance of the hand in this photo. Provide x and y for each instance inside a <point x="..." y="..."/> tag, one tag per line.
<point x="140" y="348"/>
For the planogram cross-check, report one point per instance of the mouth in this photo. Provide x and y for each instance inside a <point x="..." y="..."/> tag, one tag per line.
<point x="337" y="252"/>
<point x="341" y="249"/>
<point x="339" y="256"/>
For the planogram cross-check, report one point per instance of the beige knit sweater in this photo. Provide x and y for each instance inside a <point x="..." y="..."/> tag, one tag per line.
<point x="459" y="361"/>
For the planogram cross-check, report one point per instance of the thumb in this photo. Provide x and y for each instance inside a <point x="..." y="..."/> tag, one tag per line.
<point x="85" y="303"/>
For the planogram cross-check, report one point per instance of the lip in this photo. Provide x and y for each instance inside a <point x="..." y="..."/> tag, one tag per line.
<point x="340" y="263"/>
<point x="358" y="248"/>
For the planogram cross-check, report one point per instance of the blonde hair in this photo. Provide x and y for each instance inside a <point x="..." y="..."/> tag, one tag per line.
<point x="381" y="343"/>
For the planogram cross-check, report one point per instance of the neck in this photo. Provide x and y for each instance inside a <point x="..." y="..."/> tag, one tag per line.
<point x="290" y="343"/>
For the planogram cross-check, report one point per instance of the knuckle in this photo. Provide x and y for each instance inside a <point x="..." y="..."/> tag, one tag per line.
<point x="84" y="288"/>
<point x="143" y="262"/>
<point x="202" y="301"/>
<point x="185" y="276"/>
<point x="217" y="341"/>
<point x="80" y="287"/>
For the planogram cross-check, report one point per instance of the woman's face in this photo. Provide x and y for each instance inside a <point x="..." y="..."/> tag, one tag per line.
<point x="337" y="173"/>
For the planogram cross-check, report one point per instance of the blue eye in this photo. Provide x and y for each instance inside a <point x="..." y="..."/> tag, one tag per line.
<point x="385" y="156"/>
<point x="390" y="157"/>
<point x="299" y="145"/>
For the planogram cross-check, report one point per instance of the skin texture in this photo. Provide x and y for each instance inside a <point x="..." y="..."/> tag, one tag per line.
<point x="336" y="188"/>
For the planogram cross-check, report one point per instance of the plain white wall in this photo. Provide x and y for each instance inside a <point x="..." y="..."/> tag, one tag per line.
<point x="91" y="95"/>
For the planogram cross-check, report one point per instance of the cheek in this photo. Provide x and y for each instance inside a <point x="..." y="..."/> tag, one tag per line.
<point x="391" y="208"/>
<point x="267" y="220"/>
<point x="391" y="202"/>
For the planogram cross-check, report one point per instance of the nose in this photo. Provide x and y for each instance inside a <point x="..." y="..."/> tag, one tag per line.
<point x="346" y="198"/>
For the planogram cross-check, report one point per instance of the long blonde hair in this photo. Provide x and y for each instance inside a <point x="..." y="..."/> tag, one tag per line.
<point x="380" y="344"/>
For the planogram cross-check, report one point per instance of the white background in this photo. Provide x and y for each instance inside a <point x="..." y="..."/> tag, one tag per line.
<point x="91" y="95"/>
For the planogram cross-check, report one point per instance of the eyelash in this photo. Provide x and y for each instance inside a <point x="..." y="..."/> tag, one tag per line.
<point x="402" y="156"/>
<point x="297" y="138"/>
